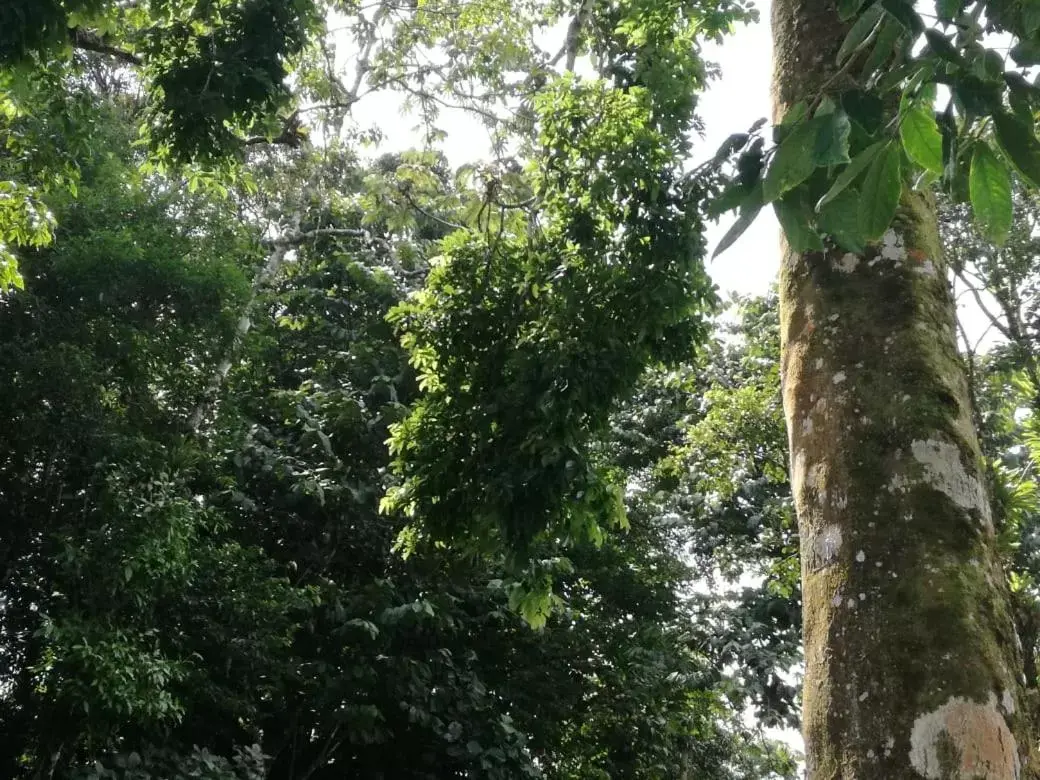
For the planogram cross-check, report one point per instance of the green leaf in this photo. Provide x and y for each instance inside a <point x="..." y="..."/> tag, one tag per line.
<point x="978" y="97"/>
<point x="881" y="190"/>
<point x="863" y="108"/>
<point x="860" y="32"/>
<point x="948" y="10"/>
<point x="990" y="188"/>
<point x="942" y="47"/>
<point x="1026" y="53"/>
<point x="1031" y="17"/>
<point x="794" y="160"/>
<point x="832" y="139"/>
<point x="888" y="37"/>
<point x="1019" y="143"/>
<point x="903" y="12"/>
<point x="795" y="216"/>
<point x="848" y="8"/>
<point x="921" y="139"/>
<point x="851" y="173"/>
<point x="840" y="220"/>
<point x="748" y="211"/>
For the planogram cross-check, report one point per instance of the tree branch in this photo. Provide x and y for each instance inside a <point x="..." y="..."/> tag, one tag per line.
<point x="91" y="41"/>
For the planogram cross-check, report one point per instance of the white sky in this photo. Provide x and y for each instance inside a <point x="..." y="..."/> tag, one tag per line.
<point x="731" y="105"/>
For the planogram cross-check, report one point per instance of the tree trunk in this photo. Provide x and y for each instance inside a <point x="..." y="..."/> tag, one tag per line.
<point x="912" y="662"/>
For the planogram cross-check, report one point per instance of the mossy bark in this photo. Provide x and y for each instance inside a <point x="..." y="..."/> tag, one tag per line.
<point x="912" y="663"/>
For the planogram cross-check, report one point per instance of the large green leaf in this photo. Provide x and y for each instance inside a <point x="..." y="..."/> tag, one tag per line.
<point x="942" y="47"/>
<point x="839" y="218"/>
<point x="860" y="32"/>
<point x="948" y="10"/>
<point x="794" y="160"/>
<point x="851" y="173"/>
<point x="921" y="138"/>
<point x="990" y="188"/>
<point x="888" y="37"/>
<point x="903" y="12"/>
<point x="848" y="8"/>
<point x="881" y="190"/>
<point x="832" y="139"/>
<point x="795" y="217"/>
<point x="1020" y="144"/>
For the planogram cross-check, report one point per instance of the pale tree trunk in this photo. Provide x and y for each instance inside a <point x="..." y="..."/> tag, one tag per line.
<point x="912" y="663"/>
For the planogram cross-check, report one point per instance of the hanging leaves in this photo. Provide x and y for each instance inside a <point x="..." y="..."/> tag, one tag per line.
<point x="839" y="218"/>
<point x="881" y="190"/>
<point x="1020" y="144"/>
<point x="846" y="177"/>
<point x="795" y="216"/>
<point x="990" y="188"/>
<point x="832" y="139"/>
<point x="794" y="162"/>
<point x="860" y="32"/>
<point x="921" y="139"/>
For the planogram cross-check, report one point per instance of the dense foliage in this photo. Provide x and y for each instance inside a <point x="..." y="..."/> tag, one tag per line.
<point x="322" y="463"/>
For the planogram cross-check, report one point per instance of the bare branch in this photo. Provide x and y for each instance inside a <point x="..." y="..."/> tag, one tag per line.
<point x="91" y="41"/>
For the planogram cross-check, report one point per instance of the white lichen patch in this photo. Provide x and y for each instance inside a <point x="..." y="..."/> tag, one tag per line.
<point x="1007" y="701"/>
<point x="847" y="264"/>
<point x="807" y="426"/>
<point x="892" y="247"/>
<point x="973" y="736"/>
<point x="825" y="546"/>
<point x="927" y="268"/>
<point x="944" y="471"/>
<point x="798" y="472"/>
<point x="861" y="556"/>
<point x="839" y="378"/>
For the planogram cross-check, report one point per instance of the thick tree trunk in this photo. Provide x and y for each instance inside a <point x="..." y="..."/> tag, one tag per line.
<point x="912" y="663"/>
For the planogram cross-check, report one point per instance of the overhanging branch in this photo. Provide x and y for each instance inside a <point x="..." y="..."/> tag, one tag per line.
<point x="91" y="41"/>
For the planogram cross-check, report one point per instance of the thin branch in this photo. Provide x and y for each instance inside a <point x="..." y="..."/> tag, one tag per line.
<point x="570" y="43"/>
<point x="291" y="135"/>
<point x="91" y="41"/>
<point x="291" y="240"/>
<point x="411" y="202"/>
<point x="994" y="320"/>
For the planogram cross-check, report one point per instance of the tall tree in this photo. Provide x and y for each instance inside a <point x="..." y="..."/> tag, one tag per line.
<point x="910" y="648"/>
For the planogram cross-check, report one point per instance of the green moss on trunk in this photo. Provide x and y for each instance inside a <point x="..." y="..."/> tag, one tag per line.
<point x="912" y="666"/>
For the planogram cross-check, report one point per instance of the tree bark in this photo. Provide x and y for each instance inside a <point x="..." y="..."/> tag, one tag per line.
<point x="913" y="668"/>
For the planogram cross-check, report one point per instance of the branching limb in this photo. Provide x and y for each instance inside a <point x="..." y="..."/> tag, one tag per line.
<point x="87" y="40"/>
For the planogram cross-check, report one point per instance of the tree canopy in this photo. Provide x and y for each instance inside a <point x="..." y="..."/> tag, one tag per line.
<point x="324" y="458"/>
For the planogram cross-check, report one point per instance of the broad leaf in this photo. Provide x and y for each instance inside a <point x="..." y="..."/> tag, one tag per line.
<point x="1019" y="143"/>
<point x="903" y="12"/>
<point x="832" y="139"/>
<point x="795" y="216"/>
<point x="942" y="47"/>
<point x="860" y="32"/>
<point x="839" y="218"/>
<point x="921" y="139"/>
<point x="851" y="173"/>
<point x="888" y="38"/>
<point x="881" y="189"/>
<point x="948" y="10"/>
<point x="848" y="8"/>
<point x="794" y="160"/>
<point x="990" y="188"/>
